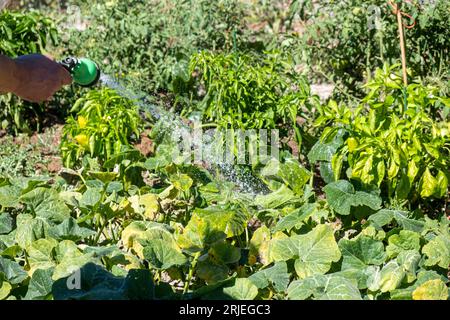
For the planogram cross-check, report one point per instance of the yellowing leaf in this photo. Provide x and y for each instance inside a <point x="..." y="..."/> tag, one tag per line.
<point x="412" y="171"/>
<point x="431" y="290"/>
<point x="259" y="245"/>
<point x="352" y="144"/>
<point x="428" y="184"/>
<point x="151" y="205"/>
<point x="182" y="182"/>
<point x="391" y="276"/>
<point x="442" y="185"/>
<point x="5" y="289"/>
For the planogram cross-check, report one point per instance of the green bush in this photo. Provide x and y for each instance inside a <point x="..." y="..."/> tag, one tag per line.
<point x="252" y="92"/>
<point x="105" y="123"/>
<point x="150" y="42"/>
<point x="23" y="33"/>
<point x="403" y="151"/>
<point x="338" y="45"/>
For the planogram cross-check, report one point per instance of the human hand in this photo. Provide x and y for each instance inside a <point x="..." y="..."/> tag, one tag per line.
<point x="38" y="77"/>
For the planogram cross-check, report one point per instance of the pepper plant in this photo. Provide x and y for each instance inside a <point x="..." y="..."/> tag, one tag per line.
<point x="388" y="144"/>
<point x="105" y="122"/>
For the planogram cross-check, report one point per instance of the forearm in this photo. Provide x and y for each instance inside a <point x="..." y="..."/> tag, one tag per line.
<point x="8" y="74"/>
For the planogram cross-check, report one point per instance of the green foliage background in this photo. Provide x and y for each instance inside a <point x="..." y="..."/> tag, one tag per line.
<point x="358" y="212"/>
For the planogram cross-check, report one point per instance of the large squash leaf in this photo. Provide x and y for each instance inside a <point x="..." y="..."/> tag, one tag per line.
<point x="341" y="196"/>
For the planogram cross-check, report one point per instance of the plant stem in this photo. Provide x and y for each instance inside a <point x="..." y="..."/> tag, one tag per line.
<point x="191" y="273"/>
<point x="402" y="44"/>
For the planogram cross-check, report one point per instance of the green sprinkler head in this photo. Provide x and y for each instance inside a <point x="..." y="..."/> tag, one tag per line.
<point x="85" y="72"/>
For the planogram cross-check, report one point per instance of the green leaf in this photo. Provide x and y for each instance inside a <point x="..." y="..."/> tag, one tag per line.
<point x="437" y="251"/>
<point x="6" y="223"/>
<point x="294" y="175"/>
<point x="324" y="151"/>
<point x="342" y="197"/>
<point x="29" y="229"/>
<point x="40" y="287"/>
<point x="70" y="259"/>
<point x="405" y="240"/>
<point x="277" y="276"/>
<point x="13" y="272"/>
<point x="224" y="252"/>
<point x="139" y="285"/>
<point x="45" y="203"/>
<point x="281" y="197"/>
<point x="361" y="251"/>
<point x="295" y="219"/>
<point x="391" y="276"/>
<point x="385" y="217"/>
<point x="211" y="272"/>
<point x="358" y="254"/>
<point x="323" y="287"/>
<point x="409" y="260"/>
<point x="314" y="252"/>
<point x="162" y="256"/>
<point x="40" y="254"/>
<point x="91" y="197"/>
<point x="69" y="230"/>
<point x="243" y="289"/>
<point x="9" y="196"/>
<point x="5" y="288"/>
<point x="98" y="284"/>
<point x="104" y="177"/>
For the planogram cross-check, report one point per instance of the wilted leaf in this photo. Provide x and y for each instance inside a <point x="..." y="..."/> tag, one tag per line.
<point x="259" y="245"/>
<point x="210" y="225"/>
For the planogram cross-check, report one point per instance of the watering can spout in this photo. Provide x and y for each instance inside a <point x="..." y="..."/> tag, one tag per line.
<point x="85" y="72"/>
